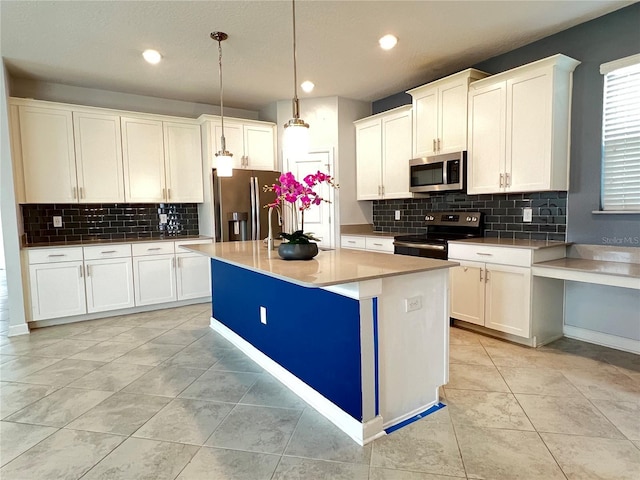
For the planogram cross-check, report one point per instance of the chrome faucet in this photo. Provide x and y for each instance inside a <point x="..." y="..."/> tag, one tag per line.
<point x="270" y="242"/>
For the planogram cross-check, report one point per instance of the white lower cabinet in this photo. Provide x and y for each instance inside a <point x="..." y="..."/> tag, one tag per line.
<point x="493" y="287"/>
<point x="373" y="244"/>
<point x="154" y="273"/>
<point x="109" y="284"/>
<point x="57" y="290"/>
<point x="193" y="278"/>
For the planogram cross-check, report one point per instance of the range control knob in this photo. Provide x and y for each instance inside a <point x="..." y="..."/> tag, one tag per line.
<point x="474" y="219"/>
<point x="428" y="218"/>
<point x="468" y="219"/>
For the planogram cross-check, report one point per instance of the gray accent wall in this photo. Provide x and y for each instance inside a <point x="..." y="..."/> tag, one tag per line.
<point x="601" y="40"/>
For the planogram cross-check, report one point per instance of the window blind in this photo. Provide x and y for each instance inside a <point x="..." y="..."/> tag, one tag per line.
<point x="621" y="136"/>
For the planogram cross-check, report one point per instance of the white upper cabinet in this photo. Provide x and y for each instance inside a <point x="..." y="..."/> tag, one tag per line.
<point x="98" y="147"/>
<point x="440" y="114"/>
<point x="519" y="128"/>
<point x="143" y="154"/>
<point x="48" y="157"/>
<point x="252" y="143"/>
<point x="383" y="150"/>
<point x="183" y="162"/>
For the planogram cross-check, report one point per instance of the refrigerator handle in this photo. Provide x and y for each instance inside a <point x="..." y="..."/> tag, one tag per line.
<point x="253" y="208"/>
<point x="256" y="189"/>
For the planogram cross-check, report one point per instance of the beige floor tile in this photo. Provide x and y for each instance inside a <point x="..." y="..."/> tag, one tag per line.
<point x="389" y="474"/>
<point x="185" y="421"/>
<point x="16" y="438"/>
<point x="624" y="415"/>
<point x="604" y="385"/>
<point x="469" y="354"/>
<point x="476" y="377"/>
<point x="220" y="386"/>
<point x="270" y="392"/>
<point x="291" y="468"/>
<point x="62" y="373"/>
<point x="7" y="358"/>
<point x="511" y="355"/>
<point x="538" y="381"/>
<point x="142" y="459"/>
<point x="64" y="348"/>
<point x="111" y="377"/>
<point x="16" y="396"/>
<point x="180" y="337"/>
<point x="65" y="455"/>
<point x="120" y="414"/>
<point x="100" y="334"/>
<point x="25" y="345"/>
<point x="570" y="415"/>
<point x="166" y="381"/>
<point x="137" y="335"/>
<point x="584" y="458"/>
<point x="104" y="351"/>
<point x="486" y="409"/>
<point x="196" y="357"/>
<point x="149" y="354"/>
<point x="459" y="336"/>
<point x="497" y="454"/>
<point x="221" y="464"/>
<point x="200" y="321"/>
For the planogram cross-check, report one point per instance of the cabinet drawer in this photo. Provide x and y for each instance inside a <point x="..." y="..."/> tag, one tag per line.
<point x="349" y="241"/>
<point x="50" y="255"/>
<point x="490" y="254"/>
<point x="379" y="244"/>
<point x="151" y="248"/>
<point x="107" y="251"/>
<point x="190" y="242"/>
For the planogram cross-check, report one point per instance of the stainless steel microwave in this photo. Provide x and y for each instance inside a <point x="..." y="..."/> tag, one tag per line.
<point x="439" y="173"/>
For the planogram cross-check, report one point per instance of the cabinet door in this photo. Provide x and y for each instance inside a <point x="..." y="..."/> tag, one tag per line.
<point x="154" y="279"/>
<point x="183" y="162"/>
<point x="487" y="123"/>
<point x="452" y="108"/>
<point x="57" y="290"/>
<point x="425" y="134"/>
<point x="143" y="154"/>
<point x="528" y="163"/>
<point x="396" y="151"/>
<point x="369" y="160"/>
<point x="109" y="284"/>
<point x="259" y="147"/>
<point x="467" y="292"/>
<point x="193" y="276"/>
<point x="98" y="147"/>
<point x="234" y="139"/>
<point x="48" y="158"/>
<point x="508" y="299"/>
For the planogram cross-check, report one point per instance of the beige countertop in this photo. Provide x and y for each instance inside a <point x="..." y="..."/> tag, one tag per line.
<point x="594" y="266"/>
<point x="366" y="230"/>
<point x="332" y="267"/>
<point x="83" y="243"/>
<point x="511" y="242"/>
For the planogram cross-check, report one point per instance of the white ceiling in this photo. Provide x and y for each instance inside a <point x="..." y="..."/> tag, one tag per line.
<point x="98" y="44"/>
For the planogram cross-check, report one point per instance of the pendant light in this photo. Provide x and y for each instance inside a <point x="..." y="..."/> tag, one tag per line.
<point x="224" y="159"/>
<point x="296" y="130"/>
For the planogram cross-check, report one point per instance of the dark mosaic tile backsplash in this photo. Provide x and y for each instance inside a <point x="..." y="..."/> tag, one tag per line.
<point x="107" y="221"/>
<point x="503" y="213"/>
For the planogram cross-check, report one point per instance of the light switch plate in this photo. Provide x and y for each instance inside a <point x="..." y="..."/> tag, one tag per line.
<point x="527" y="214"/>
<point x="163" y="219"/>
<point x="397" y="215"/>
<point x="57" y="222"/>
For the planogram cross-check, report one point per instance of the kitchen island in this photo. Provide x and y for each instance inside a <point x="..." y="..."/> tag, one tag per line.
<point x="362" y="337"/>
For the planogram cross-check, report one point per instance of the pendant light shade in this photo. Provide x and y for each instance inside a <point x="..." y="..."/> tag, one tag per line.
<point x="296" y="133"/>
<point x="224" y="159"/>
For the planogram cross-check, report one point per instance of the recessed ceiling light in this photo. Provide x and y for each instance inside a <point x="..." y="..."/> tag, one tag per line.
<point x="307" y="86"/>
<point x="388" y="42"/>
<point x="152" y="56"/>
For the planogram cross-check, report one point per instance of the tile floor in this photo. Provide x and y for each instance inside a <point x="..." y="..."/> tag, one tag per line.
<point x="160" y="396"/>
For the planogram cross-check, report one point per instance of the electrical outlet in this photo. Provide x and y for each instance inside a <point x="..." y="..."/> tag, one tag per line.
<point x="397" y="215"/>
<point x="527" y="214"/>
<point x="163" y="219"/>
<point x="263" y="315"/>
<point x="57" y="222"/>
<point x="412" y="304"/>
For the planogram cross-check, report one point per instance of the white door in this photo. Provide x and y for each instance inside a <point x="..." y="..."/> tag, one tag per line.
<point x="48" y="158"/>
<point x="452" y="106"/>
<point x="143" y="154"/>
<point x="234" y="141"/>
<point x="109" y="284"/>
<point x="154" y="279"/>
<point x="259" y="147"/>
<point x="193" y="276"/>
<point x="98" y="147"/>
<point x="528" y="137"/>
<point x="487" y="125"/>
<point x="319" y="218"/>
<point x="369" y="160"/>
<point x="467" y="292"/>
<point x="508" y="299"/>
<point x="396" y="152"/>
<point x="425" y="135"/>
<point x="57" y="290"/>
<point x="183" y="162"/>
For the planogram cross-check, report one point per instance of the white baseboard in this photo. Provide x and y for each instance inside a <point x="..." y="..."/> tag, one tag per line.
<point x="15" y="330"/>
<point x="361" y="433"/>
<point x="409" y="415"/>
<point x="604" y="339"/>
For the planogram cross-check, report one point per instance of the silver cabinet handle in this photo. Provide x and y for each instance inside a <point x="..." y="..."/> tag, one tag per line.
<point x="109" y="251"/>
<point x="434" y="144"/>
<point x="502" y="179"/>
<point x="438" y="144"/>
<point x="351" y="241"/>
<point x="378" y="244"/>
<point x="75" y="193"/>
<point x="88" y="267"/>
<point x="153" y="249"/>
<point x="179" y="263"/>
<point x="81" y="271"/>
<point x="164" y="193"/>
<point x="57" y="255"/>
<point x="480" y="274"/>
<point x="173" y="262"/>
<point x="486" y="277"/>
<point x="168" y="194"/>
<point x="507" y="182"/>
<point x="81" y="192"/>
<point x="382" y="189"/>
<point x="485" y="254"/>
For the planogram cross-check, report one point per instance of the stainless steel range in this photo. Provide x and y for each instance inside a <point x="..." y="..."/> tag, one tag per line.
<point x="441" y="227"/>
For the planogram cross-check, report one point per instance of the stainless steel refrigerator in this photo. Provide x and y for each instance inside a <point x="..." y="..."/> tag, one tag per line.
<point x="239" y="201"/>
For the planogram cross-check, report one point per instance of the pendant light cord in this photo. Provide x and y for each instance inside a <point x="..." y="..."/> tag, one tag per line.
<point x="296" y="106"/>
<point x="222" y="139"/>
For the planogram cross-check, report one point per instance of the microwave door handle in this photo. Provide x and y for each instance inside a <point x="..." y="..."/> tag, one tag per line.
<point x="444" y="173"/>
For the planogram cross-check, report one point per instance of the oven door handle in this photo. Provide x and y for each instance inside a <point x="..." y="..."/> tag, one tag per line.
<point x="420" y="246"/>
